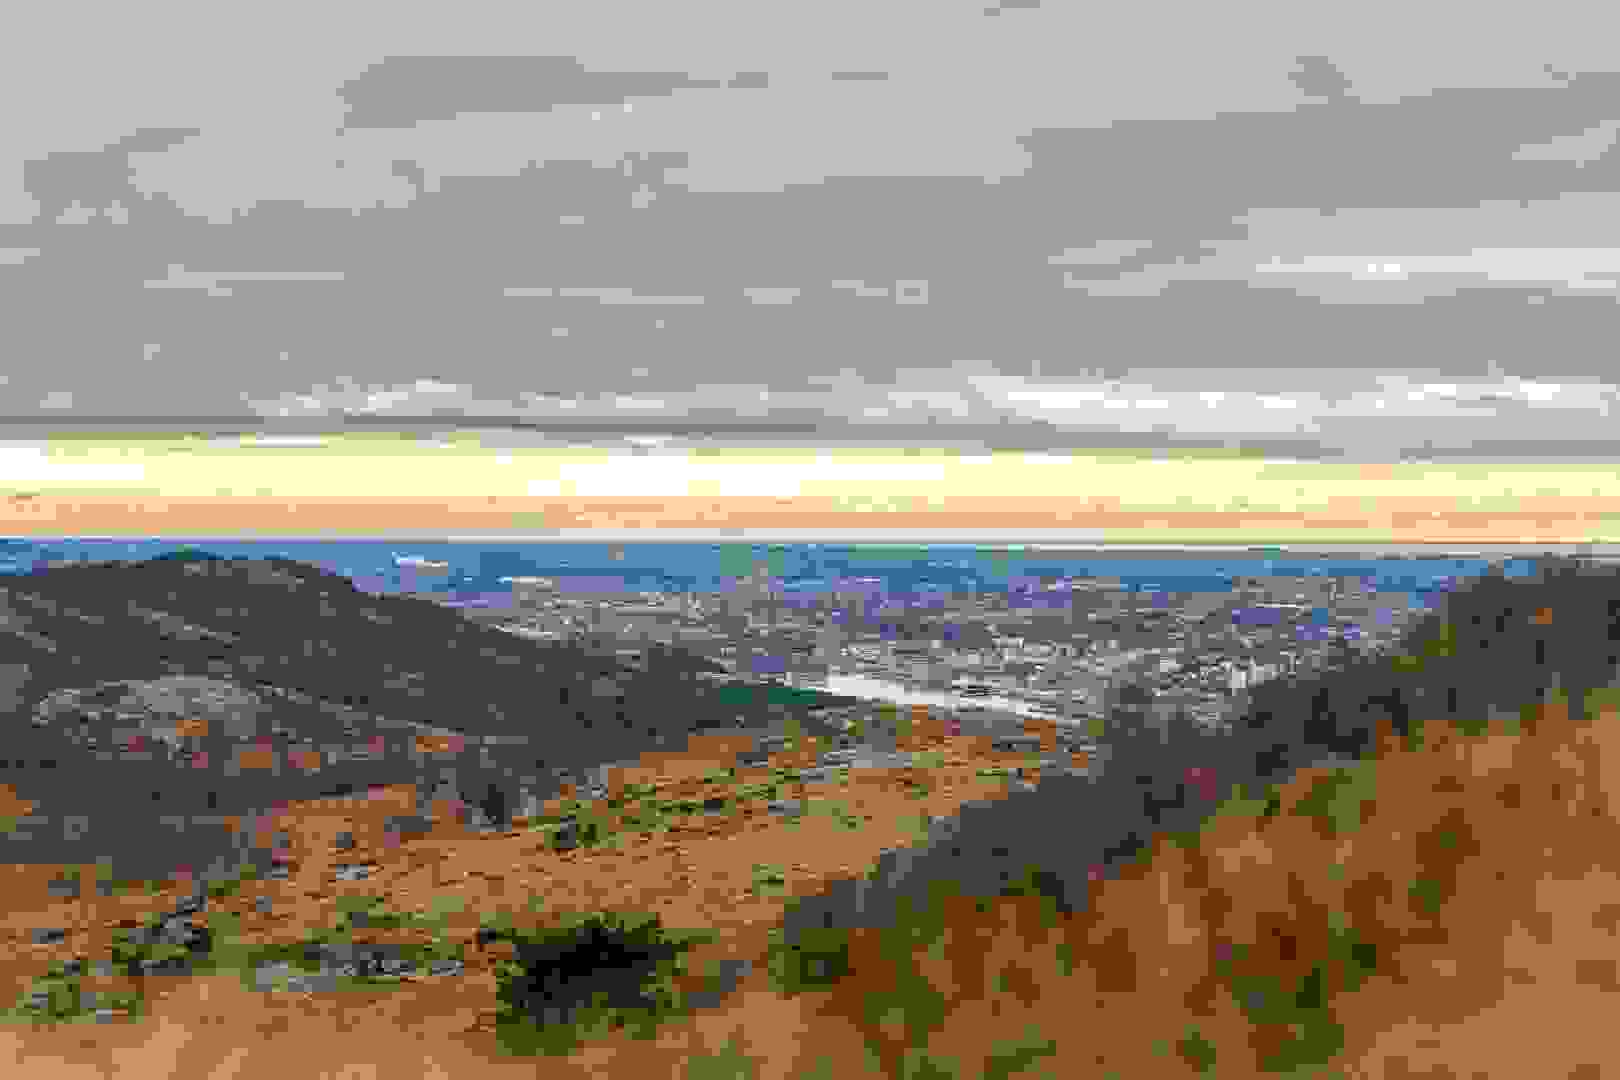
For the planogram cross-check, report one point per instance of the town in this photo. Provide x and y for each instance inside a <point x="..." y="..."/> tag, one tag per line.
<point x="1074" y="651"/>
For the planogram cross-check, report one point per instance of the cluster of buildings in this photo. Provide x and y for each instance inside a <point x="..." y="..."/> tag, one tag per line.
<point x="1074" y="652"/>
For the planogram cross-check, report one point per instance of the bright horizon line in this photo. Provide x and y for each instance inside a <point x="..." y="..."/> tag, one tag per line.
<point x="840" y="538"/>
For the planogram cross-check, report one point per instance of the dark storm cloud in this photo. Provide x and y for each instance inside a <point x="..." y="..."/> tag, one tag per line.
<point x="1120" y="250"/>
<point x="95" y="178"/>
<point x="1317" y="77"/>
<point x="403" y="91"/>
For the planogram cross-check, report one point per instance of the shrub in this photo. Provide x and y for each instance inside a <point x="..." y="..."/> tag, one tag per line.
<point x="587" y="976"/>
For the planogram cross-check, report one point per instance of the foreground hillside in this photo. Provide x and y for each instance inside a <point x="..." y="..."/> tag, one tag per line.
<point x="1409" y="914"/>
<point x="429" y="929"/>
<point x="1446" y="907"/>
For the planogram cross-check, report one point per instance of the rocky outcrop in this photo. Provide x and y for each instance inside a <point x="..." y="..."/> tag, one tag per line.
<point x="168" y="709"/>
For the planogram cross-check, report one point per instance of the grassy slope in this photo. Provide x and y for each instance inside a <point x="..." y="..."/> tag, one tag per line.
<point x="1319" y="926"/>
<point x="1288" y="936"/>
<point x="637" y="817"/>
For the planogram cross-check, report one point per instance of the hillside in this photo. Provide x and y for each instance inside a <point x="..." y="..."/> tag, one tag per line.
<point x="1444" y="907"/>
<point x="1489" y="651"/>
<point x="1397" y="915"/>
<point x="369" y="930"/>
<point x="1354" y="881"/>
<point x="142" y="697"/>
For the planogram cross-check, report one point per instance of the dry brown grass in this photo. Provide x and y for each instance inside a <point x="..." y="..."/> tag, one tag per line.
<point x="698" y="874"/>
<point x="1511" y="840"/>
<point x="1480" y="870"/>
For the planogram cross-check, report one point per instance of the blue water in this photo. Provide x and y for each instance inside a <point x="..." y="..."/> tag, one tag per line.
<point x="922" y="577"/>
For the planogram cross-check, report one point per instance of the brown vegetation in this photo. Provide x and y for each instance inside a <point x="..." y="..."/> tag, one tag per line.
<point x="1446" y="908"/>
<point x="1453" y="917"/>
<point x="698" y="874"/>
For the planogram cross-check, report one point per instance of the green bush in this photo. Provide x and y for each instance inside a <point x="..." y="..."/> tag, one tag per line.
<point x="729" y="1064"/>
<point x="1336" y="799"/>
<point x="769" y="880"/>
<point x="588" y="976"/>
<point x="1305" y="1008"/>
<point x="819" y="958"/>
<point x="1196" y="1051"/>
<point x="59" y="998"/>
<point x="1014" y="1056"/>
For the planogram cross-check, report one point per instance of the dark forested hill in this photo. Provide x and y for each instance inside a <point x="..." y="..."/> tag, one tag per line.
<point x="1495" y="646"/>
<point x="281" y="623"/>
<point x="141" y="696"/>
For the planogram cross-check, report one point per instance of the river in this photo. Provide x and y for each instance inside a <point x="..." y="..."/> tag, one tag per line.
<point x="866" y="686"/>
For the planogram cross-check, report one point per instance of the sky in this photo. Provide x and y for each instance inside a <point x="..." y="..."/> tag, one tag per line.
<point x="459" y="487"/>
<point x="1313" y="230"/>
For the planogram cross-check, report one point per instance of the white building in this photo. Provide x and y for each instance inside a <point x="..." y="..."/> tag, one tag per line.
<point x="1241" y="675"/>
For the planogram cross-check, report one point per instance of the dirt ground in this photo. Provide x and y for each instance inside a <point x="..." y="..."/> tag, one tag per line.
<point x="1480" y="872"/>
<point x="696" y="876"/>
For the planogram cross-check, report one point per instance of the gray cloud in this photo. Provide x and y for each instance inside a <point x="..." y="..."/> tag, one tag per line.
<point x="403" y="91"/>
<point x="1318" y="77"/>
<point x="1022" y="209"/>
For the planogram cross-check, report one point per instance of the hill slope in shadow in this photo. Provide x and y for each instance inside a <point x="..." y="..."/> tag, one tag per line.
<point x="1495" y="646"/>
<point x="147" y="702"/>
